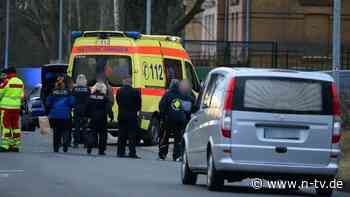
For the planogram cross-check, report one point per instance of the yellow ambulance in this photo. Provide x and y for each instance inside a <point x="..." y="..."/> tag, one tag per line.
<point x="150" y="61"/>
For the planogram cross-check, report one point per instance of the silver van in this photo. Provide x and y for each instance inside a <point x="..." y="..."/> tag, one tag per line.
<point x="273" y="124"/>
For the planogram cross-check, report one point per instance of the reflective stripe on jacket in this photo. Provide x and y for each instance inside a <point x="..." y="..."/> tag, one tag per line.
<point x="11" y="95"/>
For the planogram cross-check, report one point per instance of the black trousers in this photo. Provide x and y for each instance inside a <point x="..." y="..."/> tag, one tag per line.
<point x="79" y="135"/>
<point x="61" y="131"/>
<point x="176" y="130"/>
<point x="127" y="132"/>
<point x="97" y="135"/>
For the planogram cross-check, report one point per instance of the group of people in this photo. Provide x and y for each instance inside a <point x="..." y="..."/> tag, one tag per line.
<point x="91" y="109"/>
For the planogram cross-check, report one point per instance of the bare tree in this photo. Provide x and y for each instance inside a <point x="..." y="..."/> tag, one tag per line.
<point x="168" y="17"/>
<point x="41" y="18"/>
<point x="180" y="24"/>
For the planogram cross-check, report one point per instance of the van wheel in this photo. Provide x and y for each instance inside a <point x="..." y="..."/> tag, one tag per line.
<point x="152" y="136"/>
<point x="214" y="179"/>
<point x="187" y="176"/>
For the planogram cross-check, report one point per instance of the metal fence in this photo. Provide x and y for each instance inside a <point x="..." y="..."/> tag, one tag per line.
<point x="210" y="53"/>
<point x="213" y="53"/>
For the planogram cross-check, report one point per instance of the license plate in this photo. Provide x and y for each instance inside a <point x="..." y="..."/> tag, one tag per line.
<point x="281" y="133"/>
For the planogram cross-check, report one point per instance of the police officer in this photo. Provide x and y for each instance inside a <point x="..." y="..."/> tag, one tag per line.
<point x="98" y="110"/>
<point x="59" y="106"/>
<point x="175" y="109"/>
<point x="129" y="104"/>
<point x="11" y="95"/>
<point x="81" y="94"/>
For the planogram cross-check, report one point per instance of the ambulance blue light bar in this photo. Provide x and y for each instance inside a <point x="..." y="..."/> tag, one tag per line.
<point x="76" y="34"/>
<point x="133" y="34"/>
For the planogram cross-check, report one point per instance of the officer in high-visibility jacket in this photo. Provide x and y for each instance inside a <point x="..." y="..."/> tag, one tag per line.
<point x="11" y="95"/>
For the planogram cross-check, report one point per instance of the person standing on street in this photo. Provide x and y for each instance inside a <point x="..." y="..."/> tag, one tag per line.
<point x="81" y="95"/>
<point x="129" y="103"/>
<point x="11" y="95"/>
<point x="59" y="107"/>
<point x="175" y="109"/>
<point x="98" y="110"/>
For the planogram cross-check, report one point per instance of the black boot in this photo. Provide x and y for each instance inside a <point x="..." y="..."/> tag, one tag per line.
<point x="3" y="150"/>
<point x="15" y="149"/>
<point x="88" y="151"/>
<point x="65" y="149"/>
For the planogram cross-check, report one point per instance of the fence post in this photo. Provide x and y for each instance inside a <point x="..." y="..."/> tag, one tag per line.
<point x="227" y="53"/>
<point x="274" y="54"/>
<point x="347" y="58"/>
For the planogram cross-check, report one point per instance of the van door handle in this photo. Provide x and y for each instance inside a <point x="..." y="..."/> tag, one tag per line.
<point x="281" y="149"/>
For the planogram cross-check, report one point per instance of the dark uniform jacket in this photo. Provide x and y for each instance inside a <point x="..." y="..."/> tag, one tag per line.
<point x="176" y="107"/>
<point x="81" y="95"/>
<point x="99" y="108"/>
<point x="129" y="103"/>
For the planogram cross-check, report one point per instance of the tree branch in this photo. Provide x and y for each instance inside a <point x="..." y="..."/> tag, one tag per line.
<point x="183" y="21"/>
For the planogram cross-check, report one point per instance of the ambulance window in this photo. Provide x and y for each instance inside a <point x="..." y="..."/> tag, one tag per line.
<point x="173" y="70"/>
<point x="86" y="65"/>
<point x="115" y="68"/>
<point x="120" y="69"/>
<point x="192" y="77"/>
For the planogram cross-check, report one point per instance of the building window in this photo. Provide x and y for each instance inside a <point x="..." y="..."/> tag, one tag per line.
<point x="209" y="27"/>
<point x="315" y="2"/>
<point x="234" y="2"/>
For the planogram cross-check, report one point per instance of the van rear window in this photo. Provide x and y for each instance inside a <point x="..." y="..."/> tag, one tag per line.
<point x="284" y="95"/>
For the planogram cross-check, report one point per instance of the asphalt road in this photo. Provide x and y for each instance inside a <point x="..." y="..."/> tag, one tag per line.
<point x="37" y="172"/>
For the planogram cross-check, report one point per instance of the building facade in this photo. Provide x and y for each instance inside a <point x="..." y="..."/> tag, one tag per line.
<point x="300" y="28"/>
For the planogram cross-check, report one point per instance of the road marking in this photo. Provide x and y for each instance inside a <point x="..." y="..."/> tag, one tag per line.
<point x="11" y="171"/>
<point x="4" y="175"/>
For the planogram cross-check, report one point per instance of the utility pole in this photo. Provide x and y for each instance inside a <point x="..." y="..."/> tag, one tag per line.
<point x="148" y="16"/>
<point x="60" y="33"/>
<point x="337" y="5"/>
<point x="7" y="40"/>
<point x="116" y="14"/>
<point x="78" y="14"/>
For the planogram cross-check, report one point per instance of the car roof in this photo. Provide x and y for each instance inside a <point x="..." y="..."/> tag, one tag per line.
<point x="261" y="72"/>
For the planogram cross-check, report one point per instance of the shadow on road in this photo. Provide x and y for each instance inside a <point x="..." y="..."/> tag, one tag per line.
<point x="248" y="190"/>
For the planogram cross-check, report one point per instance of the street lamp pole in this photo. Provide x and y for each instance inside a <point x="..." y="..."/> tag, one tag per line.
<point x="60" y="52"/>
<point x="7" y="40"/>
<point x="148" y="16"/>
<point x="337" y="40"/>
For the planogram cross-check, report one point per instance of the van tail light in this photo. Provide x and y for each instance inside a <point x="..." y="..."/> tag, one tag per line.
<point x="335" y="101"/>
<point x="226" y="125"/>
<point x="336" y="113"/>
<point x="336" y="131"/>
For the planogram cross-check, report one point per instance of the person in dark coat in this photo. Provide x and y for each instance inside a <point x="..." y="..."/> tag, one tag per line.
<point x="129" y="104"/>
<point x="98" y="110"/>
<point x="175" y="110"/>
<point x="81" y="94"/>
<point x="59" y="107"/>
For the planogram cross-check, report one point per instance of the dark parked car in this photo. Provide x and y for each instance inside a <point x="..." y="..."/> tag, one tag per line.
<point x="32" y="109"/>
